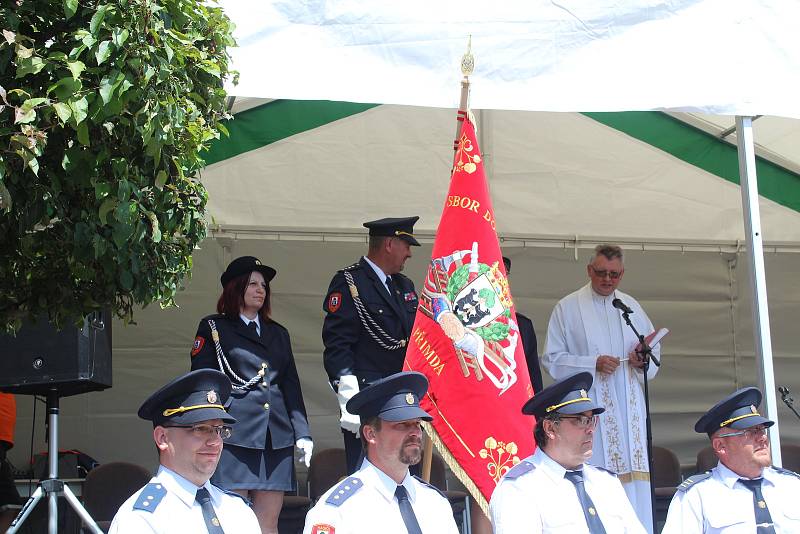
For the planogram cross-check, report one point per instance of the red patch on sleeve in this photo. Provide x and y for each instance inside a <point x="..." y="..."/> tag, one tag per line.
<point x="334" y="303"/>
<point x="199" y="341"/>
<point x="323" y="529"/>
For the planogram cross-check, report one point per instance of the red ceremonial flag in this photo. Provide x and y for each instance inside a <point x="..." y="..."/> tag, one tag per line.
<point x="466" y="340"/>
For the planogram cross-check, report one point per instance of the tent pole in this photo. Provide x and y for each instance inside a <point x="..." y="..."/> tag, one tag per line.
<point x="755" y="254"/>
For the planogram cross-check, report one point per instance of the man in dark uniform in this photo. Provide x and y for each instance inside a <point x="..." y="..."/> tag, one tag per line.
<point x="370" y="309"/>
<point x="528" y="336"/>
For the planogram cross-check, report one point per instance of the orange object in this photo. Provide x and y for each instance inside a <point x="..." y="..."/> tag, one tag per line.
<point x="8" y="417"/>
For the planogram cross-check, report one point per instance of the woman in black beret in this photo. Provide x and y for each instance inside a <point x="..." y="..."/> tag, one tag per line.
<point x="254" y="351"/>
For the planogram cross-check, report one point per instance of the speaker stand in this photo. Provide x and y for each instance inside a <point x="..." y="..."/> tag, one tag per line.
<point x="52" y="487"/>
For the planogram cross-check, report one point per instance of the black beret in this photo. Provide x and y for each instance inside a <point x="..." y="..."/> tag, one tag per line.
<point x="246" y="265"/>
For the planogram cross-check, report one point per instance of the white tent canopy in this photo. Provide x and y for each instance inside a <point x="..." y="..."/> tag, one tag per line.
<point x="715" y="56"/>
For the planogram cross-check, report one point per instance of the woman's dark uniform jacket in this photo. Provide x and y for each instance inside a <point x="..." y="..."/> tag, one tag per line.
<point x="349" y="349"/>
<point x="279" y="404"/>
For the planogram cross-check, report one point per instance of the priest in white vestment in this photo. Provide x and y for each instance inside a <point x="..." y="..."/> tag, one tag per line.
<point x="586" y="333"/>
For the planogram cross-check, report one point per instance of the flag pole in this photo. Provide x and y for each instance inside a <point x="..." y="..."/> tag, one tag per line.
<point x="467" y="66"/>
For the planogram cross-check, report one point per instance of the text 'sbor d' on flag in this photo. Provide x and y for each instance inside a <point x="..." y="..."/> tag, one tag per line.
<point x="466" y="340"/>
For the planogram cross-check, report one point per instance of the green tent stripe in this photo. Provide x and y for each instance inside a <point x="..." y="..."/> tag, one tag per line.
<point x="276" y="120"/>
<point x="704" y="151"/>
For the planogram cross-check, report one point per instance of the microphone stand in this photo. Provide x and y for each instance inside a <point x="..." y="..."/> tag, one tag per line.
<point x="787" y="399"/>
<point x="646" y="353"/>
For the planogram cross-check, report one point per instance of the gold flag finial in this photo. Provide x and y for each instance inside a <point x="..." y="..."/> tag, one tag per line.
<point x="467" y="60"/>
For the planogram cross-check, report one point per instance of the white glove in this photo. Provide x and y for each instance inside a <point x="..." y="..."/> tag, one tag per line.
<point x="348" y="386"/>
<point x="304" y="448"/>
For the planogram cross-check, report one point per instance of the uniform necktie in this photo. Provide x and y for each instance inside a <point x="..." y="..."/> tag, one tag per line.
<point x="406" y="511"/>
<point x="390" y="286"/>
<point x="209" y="515"/>
<point x="253" y="326"/>
<point x="589" y="511"/>
<point x="763" y="519"/>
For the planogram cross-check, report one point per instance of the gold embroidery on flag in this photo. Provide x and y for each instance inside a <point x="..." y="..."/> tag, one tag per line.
<point x="502" y="457"/>
<point x="464" y="161"/>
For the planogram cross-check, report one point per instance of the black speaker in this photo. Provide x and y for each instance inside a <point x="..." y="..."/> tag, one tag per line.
<point x="73" y="360"/>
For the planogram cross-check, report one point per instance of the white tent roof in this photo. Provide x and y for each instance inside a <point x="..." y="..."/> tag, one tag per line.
<point x="715" y="56"/>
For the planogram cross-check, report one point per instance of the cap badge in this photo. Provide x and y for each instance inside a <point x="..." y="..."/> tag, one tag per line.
<point x="409" y="398"/>
<point x="583" y="394"/>
<point x="258" y="262"/>
<point x="212" y="396"/>
<point x="753" y="409"/>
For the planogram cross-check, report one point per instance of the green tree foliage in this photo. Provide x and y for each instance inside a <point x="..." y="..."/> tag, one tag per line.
<point x="104" y="108"/>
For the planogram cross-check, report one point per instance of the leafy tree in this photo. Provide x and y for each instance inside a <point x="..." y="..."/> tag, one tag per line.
<point x="104" y="108"/>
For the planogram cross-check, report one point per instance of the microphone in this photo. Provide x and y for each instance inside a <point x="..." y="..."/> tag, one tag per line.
<point x="618" y="304"/>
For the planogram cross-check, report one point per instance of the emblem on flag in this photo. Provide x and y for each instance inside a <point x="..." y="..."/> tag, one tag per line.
<point x="323" y="529"/>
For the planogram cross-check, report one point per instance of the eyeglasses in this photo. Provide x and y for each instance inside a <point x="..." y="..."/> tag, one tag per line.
<point x="751" y="433"/>
<point x="602" y="273"/>
<point x="206" y="431"/>
<point x="582" y="421"/>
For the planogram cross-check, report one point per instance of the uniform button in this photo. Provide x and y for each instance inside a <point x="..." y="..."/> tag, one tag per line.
<point x="380" y="311"/>
<point x="266" y="406"/>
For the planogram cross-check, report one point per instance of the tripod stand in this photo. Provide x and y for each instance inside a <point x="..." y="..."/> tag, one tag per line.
<point x="52" y="487"/>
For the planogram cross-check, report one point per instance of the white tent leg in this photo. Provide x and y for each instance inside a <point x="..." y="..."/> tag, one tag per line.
<point x="755" y="254"/>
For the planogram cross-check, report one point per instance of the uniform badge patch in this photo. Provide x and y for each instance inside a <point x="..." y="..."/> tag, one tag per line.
<point x="334" y="302"/>
<point x="323" y="529"/>
<point x="410" y="296"/>
<point x="199" y="341"/>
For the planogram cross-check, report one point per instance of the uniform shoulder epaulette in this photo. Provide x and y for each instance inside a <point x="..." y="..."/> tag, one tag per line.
<point x="213" y="317"/>
<point x="150" y="497"/>
<point x="354" y="267"/>
<point x="247" y="501"/>
<point x="609" y="471"/>
<point x="346" y="489"/>
<point x="279" y="325"/>
<point x="519" y="470"/>
<point x="692" y="480"/>
<point x="783" y="471"/>
<point x="429" y="485"/>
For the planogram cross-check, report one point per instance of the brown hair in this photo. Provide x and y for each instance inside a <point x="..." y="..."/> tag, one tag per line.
<point x="232" y="298"/>
<point x="374" y="422"/>
<point x="538" y="432"/>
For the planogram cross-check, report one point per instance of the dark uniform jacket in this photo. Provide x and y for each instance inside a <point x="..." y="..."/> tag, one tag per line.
<point x="528" y="336"/>
<point x="349" y="348"/>
<point x="279" y="403"/>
